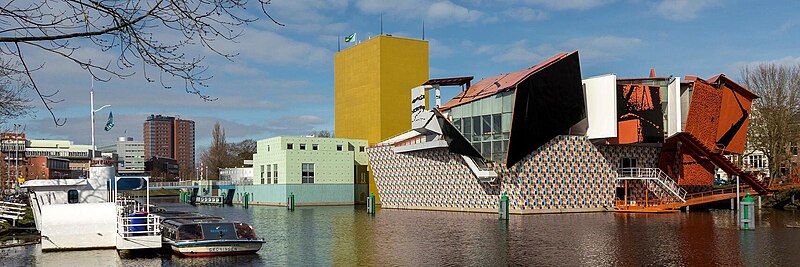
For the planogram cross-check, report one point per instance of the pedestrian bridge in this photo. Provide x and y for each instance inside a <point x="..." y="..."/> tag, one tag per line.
<point x="197" y="184"/>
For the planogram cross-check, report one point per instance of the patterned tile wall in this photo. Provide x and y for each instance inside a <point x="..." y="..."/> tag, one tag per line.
<point x="569" y="172"/>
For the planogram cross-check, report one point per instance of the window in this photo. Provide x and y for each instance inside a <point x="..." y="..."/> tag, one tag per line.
<point x="267" y="148"/>
<point x="794" y="149"/>
<point x="308" y="173"/>
<point x="289" y="146"/>
<point x="361" y="149"/>
<point x="72" y="196"/>
<point x="302" y="146"/>
<point x="275" y="173"/>
<point x="628" y="163"/>
<point x="269" y="174"/>
<point x="338" y="147"/>
<point x="314" y="147"/>
<point x="262" y="174"/>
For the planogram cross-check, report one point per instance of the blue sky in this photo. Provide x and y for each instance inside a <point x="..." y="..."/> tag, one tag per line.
<point x="282" y="81"/>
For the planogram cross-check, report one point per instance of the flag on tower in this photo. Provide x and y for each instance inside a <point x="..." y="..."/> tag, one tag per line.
<point x="350" y="38"/>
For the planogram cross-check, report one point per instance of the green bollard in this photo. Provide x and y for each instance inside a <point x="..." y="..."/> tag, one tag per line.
<point x="503" y="207"/>
<point x="290" y="201"/>
<point x="747" y="213"/>
<point x="371" y="204"/>
<point x="246" y="200"/>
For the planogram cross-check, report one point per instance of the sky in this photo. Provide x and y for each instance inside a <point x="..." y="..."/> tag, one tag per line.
<point x="281" y="82"/>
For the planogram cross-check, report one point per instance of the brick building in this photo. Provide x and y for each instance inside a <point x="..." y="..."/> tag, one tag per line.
<point x="170" y="137"/>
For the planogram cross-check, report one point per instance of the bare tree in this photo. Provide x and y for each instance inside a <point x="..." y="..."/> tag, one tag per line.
<point x="775" y="119"/>
<point x="321" y="133"/>
<point x="242" y="151"/>
<point x="13" y="103"/>
<point x="217" y="156"/>
<point x="139" y="33"/>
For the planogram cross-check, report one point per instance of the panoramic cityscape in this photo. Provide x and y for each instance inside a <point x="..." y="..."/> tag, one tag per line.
<point x="399" y="133"/>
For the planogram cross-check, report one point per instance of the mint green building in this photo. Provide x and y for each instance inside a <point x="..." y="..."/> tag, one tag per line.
<point x="318" y="171"/>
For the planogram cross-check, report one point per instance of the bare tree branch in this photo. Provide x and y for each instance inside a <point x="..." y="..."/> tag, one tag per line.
<point x="157" y="34"/>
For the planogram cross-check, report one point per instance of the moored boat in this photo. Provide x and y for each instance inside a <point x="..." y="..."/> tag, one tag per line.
<point x="209" y="236"/>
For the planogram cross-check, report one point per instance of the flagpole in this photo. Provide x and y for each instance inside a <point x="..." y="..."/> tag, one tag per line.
<point x="91" y="108"/>
<point x="338" y="43"/>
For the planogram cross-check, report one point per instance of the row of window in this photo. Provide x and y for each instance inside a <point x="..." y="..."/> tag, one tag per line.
<point x="316" y="147"/>
<point x="269" y="173"/>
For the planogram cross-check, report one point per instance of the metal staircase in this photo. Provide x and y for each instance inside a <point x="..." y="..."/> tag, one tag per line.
<point x="661" y="184"/>
<point x="696" y="146"/>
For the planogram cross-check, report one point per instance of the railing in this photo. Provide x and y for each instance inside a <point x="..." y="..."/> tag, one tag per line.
<point x="722" y="191"/>
<point x="171" y="184"/>
<point x="146" y="225"/>
<point x="129" y="223"/>
<point x="13" y="211"/>
<point x="654" y="174"/>
<point x="200" y="183"/>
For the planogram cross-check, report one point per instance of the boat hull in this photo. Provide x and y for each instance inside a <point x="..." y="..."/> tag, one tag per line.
<point x="216" y="248"/>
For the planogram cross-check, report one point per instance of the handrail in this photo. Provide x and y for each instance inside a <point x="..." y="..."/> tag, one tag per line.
<point x="655" y="174"/>
<point x="483" y="176"/>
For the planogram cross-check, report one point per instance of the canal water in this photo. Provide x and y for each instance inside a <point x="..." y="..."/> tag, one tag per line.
<point x="347" y="236"/>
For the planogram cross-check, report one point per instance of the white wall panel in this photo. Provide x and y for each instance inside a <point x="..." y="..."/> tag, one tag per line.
<point x="601" y="106"/>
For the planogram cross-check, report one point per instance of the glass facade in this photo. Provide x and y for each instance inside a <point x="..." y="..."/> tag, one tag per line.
<point x="486" y="123"/>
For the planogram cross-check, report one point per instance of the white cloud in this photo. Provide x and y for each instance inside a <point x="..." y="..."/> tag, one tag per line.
<point x="590" y="49"/>
<point x="517" y="53"/>
<point x="568" y="4"/>
<point x="786" y="61"/>
<point x="266" y="47"/>
<point x="434" y="12"/>
<point x="439" y="49"/>
<point x="602" y="47"/>
<point x="526" y="14"/>
<point x="683" y="10"/>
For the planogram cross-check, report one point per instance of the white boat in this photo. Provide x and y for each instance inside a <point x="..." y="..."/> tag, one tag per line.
<point x="209" y="236"/>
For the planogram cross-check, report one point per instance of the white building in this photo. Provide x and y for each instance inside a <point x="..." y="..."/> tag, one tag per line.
<point x="237" y="175"/>
<point x="129" y="155"/>
<point x="754" y="162"/>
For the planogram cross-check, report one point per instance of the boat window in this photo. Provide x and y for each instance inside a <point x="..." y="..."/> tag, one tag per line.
<point x="190" y="232"/>
<point x="244" y="231"/>
<point x="218" y="231"/>
<point x="72" y="196"/>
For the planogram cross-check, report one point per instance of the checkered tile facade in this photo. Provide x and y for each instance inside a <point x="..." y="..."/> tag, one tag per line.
<point x="567" y="173"/>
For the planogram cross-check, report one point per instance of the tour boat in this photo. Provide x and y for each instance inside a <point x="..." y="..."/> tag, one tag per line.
<point x="209" y="236"/>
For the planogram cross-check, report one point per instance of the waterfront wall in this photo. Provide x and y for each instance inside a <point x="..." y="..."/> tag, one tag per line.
<point x="304" y="194"/>
<point x="567" y="174"/>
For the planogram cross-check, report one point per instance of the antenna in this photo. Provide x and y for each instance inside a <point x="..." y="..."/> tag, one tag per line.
<point x="381" y="23"/>
<point x="338" y="43"/>
<point x="423" y="29"/>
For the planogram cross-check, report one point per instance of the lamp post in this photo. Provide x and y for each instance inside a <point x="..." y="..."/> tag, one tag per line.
<point x="92" y="111"/>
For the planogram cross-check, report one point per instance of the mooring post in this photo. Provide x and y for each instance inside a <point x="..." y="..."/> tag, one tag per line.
<point x="503" y="207"/>
<point x="246" y="200"/>
<point x="371" y="204"/>
<point x="290" y="201"/>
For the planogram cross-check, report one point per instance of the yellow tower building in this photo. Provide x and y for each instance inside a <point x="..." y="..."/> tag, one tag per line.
<point x="372" y="83"/>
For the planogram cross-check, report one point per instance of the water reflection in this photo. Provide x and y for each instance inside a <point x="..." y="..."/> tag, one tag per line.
<point x="346" y="236"/>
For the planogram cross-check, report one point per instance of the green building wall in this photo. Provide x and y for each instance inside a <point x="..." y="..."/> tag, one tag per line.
<point x="340" y="175"/>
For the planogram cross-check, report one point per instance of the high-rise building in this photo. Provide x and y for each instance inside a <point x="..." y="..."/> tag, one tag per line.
<point x="373" y="82"/>
<point x="170" y="137"/>
<point x="12" y="152"/>
<point x="130" y="154"/>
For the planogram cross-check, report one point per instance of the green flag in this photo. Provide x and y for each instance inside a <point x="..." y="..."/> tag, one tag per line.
<point x="110" y="123"/>
<point x="350" y="38"/>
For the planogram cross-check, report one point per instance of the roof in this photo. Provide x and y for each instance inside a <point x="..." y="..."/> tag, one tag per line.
<point x="450" y="81"/>
<point x="53" y="182"/>
<point x="500" y="83"/>
<point x="724" y="80"/>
